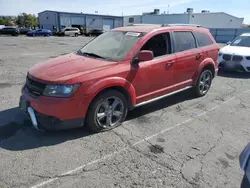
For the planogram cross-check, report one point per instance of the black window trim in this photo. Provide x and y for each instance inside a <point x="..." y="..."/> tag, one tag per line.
<point x="190" y="31"/>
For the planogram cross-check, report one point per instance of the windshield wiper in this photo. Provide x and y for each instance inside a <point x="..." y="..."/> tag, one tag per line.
<point x="93" y="55"/>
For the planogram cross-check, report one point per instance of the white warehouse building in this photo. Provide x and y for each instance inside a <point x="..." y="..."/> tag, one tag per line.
<point x="205" y="19"/>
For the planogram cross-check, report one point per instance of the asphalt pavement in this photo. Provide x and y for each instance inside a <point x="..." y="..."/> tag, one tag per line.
<point x="177" y="142"/>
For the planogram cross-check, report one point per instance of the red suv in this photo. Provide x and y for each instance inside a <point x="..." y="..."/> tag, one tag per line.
<point x="119" y="70"/>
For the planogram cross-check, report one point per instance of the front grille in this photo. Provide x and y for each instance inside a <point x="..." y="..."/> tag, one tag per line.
<point x="34" y="87"/>
<point x="227" y="57"/>
<point x="237" y="58"/>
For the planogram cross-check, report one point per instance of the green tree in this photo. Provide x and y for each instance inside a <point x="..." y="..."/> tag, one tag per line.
<point x="8" y="21"/>
<point x="27" y="20"/>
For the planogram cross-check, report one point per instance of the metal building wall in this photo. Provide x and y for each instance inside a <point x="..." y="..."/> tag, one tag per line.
<point x="59" y="20"/>
<point x="225" y="35"/>
<point x="165" y="19"/>
<point x="48" y="20"/>
<point x="137" y="20"/>
<point x="216" y="20"/>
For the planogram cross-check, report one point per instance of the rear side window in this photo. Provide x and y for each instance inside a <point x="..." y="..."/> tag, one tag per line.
<point x="203" y="39"/>
<point x="183" y="40"/>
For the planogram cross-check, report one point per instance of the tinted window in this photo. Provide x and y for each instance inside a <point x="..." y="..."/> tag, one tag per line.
<point x="183" y="41"/>
<point x="66" y="29"/>
<point x="158" y="44"/>
<point x="203" y="39"/>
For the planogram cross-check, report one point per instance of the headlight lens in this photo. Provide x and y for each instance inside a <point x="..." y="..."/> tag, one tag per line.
<point x="60" y="90"/>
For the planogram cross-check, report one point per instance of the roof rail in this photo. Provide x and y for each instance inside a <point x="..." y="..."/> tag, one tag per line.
<point x="144" y="24"/>
<point x="191" y="25"/>
<point x="165" y="25"/>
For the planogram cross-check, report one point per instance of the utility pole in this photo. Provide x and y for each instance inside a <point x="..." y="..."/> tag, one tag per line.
<point x="168" y="8"/>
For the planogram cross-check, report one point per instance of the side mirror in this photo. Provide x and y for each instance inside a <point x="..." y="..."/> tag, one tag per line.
<point x="145" y="55"/>
<point x="229" y="42"/>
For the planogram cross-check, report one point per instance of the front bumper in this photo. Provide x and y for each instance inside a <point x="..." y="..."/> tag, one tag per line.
<point x="43" y="122"/>
<point x="47" y="113"/>
<point x="242" y="66"/>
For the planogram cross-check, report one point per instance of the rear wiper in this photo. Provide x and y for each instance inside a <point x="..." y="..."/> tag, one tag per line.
<point x="93" y="55"/>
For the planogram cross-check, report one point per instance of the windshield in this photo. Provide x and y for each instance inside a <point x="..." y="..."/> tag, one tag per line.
<point x="111" y="45"/>
<point x="241" y="41"/>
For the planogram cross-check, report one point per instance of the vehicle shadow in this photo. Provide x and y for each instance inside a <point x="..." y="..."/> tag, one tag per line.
<point x="161" y="104"/>
<point x="239" y="75"/>
<point x="17" y="133"/>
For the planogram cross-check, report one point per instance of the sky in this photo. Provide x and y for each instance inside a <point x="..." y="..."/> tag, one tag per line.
<point x="238" y="8"/>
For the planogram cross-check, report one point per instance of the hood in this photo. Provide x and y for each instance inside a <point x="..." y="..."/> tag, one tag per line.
<point x="236" y="50"/>
<point x="63" y="68"/>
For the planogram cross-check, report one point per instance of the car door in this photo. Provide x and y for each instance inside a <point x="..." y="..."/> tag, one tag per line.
<point x="38" y="32"/>
<point x="158" y="72"/>
<point x="188" y="58"/>
<point x="67" y="32"/>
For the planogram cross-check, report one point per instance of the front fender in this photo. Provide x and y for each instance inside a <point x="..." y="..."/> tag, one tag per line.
<point x="204" y="63"/>
<point x="99" y="86"/>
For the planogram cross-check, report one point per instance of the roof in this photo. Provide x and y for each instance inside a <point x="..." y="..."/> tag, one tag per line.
<point x="175" y="14"/>
<point x="146" y="28"/>
<point x="84" y="14"/>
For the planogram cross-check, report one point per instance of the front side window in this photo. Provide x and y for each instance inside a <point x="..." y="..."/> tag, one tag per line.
<point x="158" y="44"/>
<point x="111" y="45"/>
<point x="243" y="41"/>
<point x="183" y="40"/>
<point x="203" y="39"/>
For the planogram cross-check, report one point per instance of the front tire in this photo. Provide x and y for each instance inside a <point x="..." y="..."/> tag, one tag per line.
<point x="76" y="34"/>
<point x="107" y="111"/>
<point x="203" y="83"/>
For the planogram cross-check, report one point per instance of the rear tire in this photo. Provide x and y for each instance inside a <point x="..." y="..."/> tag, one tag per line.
<point x="203" y="83"/>
<point x="107" y="111"/>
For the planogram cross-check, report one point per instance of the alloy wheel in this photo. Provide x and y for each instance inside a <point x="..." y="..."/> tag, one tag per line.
<point x="205" y="82"/>
<point x="109" y="112"/>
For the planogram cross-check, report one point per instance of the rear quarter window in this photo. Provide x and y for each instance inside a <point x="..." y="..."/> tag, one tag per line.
<point x="203" y="39"/>
<point x="183" y="40"/>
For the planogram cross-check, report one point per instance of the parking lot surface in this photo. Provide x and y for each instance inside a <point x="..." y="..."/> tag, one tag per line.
<point x="177" y="142"/>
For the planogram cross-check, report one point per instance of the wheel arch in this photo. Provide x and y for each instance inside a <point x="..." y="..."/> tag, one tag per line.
<point x="206" y="64"/>
<point x="119" y="84"/>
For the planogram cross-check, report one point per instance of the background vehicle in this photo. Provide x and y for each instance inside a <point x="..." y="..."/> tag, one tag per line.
<point x="95" y="32"/>
<point x="24" y="31"/>
<point x="9" y="31"/>
<point x="117" y="71"/>
<point x="236" y="55"/>
<point x="245" y="166"/>
<point x="40" y="32"/>
<point x="70" y="31"/>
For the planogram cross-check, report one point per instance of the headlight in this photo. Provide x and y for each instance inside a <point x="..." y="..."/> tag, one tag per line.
<point x="60" y="90"/>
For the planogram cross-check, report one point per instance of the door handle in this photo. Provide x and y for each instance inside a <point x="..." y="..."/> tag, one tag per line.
<point x="169" y="64"/>
<point x="198" y="56"/>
